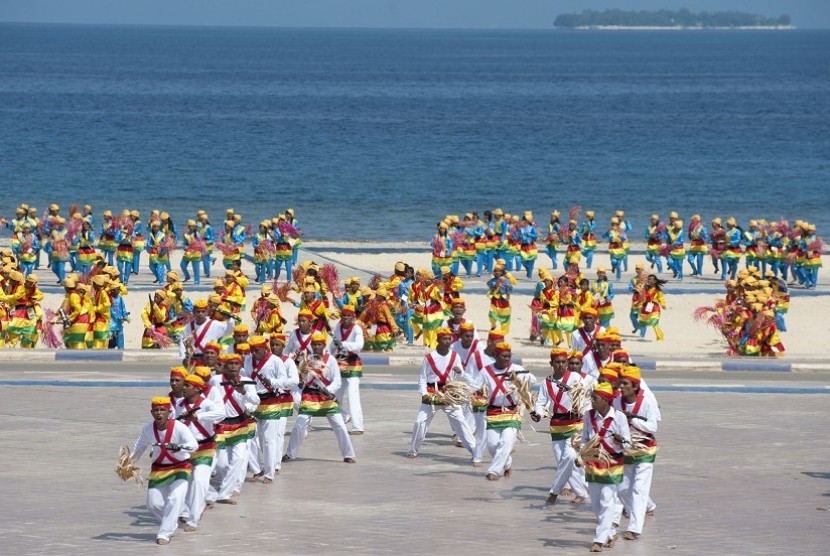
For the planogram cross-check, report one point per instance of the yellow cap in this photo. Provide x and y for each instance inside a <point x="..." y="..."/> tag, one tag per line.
<point x="160" y="401"/>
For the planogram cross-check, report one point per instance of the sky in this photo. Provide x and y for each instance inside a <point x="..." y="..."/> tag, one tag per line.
<point x="471" y="14"/>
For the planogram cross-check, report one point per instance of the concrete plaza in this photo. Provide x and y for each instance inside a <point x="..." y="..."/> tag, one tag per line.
<point x="737" y="473"/>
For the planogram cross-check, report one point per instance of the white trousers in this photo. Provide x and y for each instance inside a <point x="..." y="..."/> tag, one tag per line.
<point x="458" y="423"/>
<point x="567" y="473"/>
<point x="634" y="493"/>
<point x="351" y="387"/>
<point x="197" y="494"/>
<point x="232" y="463"/>
<point x="603" y="502"/>
<point x="500" y="445"/>
<point x="266" y="453"/>
<point x="300" y="431"/>
<point x="480" y="428"/>
<point x="166" y="504"/>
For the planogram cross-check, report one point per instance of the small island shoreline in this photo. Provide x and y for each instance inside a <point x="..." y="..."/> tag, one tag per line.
<point x="682" y="28"/>
<point x="669" y="20"/>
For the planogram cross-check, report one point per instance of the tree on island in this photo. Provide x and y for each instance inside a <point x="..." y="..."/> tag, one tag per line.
<point x="666" y="18"/>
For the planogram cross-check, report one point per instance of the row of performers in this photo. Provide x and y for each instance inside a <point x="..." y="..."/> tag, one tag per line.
<point x="774" y="245"/>
<point x="229" y="416"/>
<point x="121" y="239"/>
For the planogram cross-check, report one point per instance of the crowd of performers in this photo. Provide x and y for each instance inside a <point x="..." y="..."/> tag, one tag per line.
<point x="409" y="305"/>
<point x="474" y="244"/>
<point x="71" y="242"/>
<point x="751" y="315"/>
<point x="225" y="416"/>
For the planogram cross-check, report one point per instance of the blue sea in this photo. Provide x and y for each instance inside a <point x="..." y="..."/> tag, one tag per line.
<point x="376" y="134"/>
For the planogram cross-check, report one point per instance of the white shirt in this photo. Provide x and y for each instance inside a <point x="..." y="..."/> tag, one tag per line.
<point x="298" y="343"/>
<point x="446" y="365"/>
<point x="647" y="409"/>
<point x="352" y="342"/>
<point x="500" y="391"/>
<point x="275" y="371"/>
<point x="208" y="414"/>
<point x="618" y="426"/>
<point x="327" y="375"/>
<point x="213" y="332"/>
<point x="544" y="402"/>
<point x="232" y="400"/>
<point x="578" y="342"/>
<point x="150" y="435"/>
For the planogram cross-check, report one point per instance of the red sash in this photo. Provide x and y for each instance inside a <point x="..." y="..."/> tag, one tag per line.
<point x="601" y="432"/>
<point x="197" y="424"/>
<point x="322" y="378"/>
<point x="557" y="398"/>
<point x="344" y="333"/>
<point x="197" y="339"/>
<point x="498" y="380"/>
<point x="303" y="343"/>
<point x="228" y="397"/>
<point x="163" y="453"/>
<point x="589" y="344"/>
<point x="635" y="410"/>
<point x="442" y="377"/>
<point x="470" y="354"/>
<point x="258" y="367"/>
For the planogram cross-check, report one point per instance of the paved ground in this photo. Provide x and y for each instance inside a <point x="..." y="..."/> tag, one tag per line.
<point x="739" y="472"/>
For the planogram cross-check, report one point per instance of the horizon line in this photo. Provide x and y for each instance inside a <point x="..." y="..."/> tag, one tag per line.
<point x="355" y="27"/>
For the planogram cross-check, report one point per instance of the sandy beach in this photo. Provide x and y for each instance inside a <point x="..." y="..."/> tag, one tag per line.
<point x="685" y="338"/>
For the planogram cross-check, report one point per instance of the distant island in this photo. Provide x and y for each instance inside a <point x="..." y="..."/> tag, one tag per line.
<point x="668" y="19"/>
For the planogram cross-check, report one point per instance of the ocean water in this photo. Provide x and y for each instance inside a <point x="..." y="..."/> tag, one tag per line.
<point x="376" y="134"/>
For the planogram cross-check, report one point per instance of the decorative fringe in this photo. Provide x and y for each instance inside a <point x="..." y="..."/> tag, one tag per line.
<point x="60" y="247"/>
<point x="163" y="340"/>
<point x="693" y="223"/>
<point x="227" y="250"/>
<point x="126" y="468"/>
<point x="50" y="337"/>
<point x="438" y="245"/>
<point x="268" y="248"/>
<point x="73" y="228"/>
<point x="168" y="245"/>
<point x="457" y="392"/>
<point x="282" y="290"/>
<point x="816" y="246"/>
<point x="288" y="230"/>
<point x="328" y="273"/>
<point x="298" y="275"/>
<point x="374" y="282"/>
<point x="594" y="451"/>
<point x="197" y="245"/>
<point x="371" y="311"/>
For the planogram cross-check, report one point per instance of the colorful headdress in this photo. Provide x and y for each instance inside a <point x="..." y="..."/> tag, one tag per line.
<point x="257" y="341"/>
<point x="501" y="347"/>
<point x="604" y="391"/>
<point x="631" y="373"/>
<point x="195" y="381"/>
<point x="444" y="331"/>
